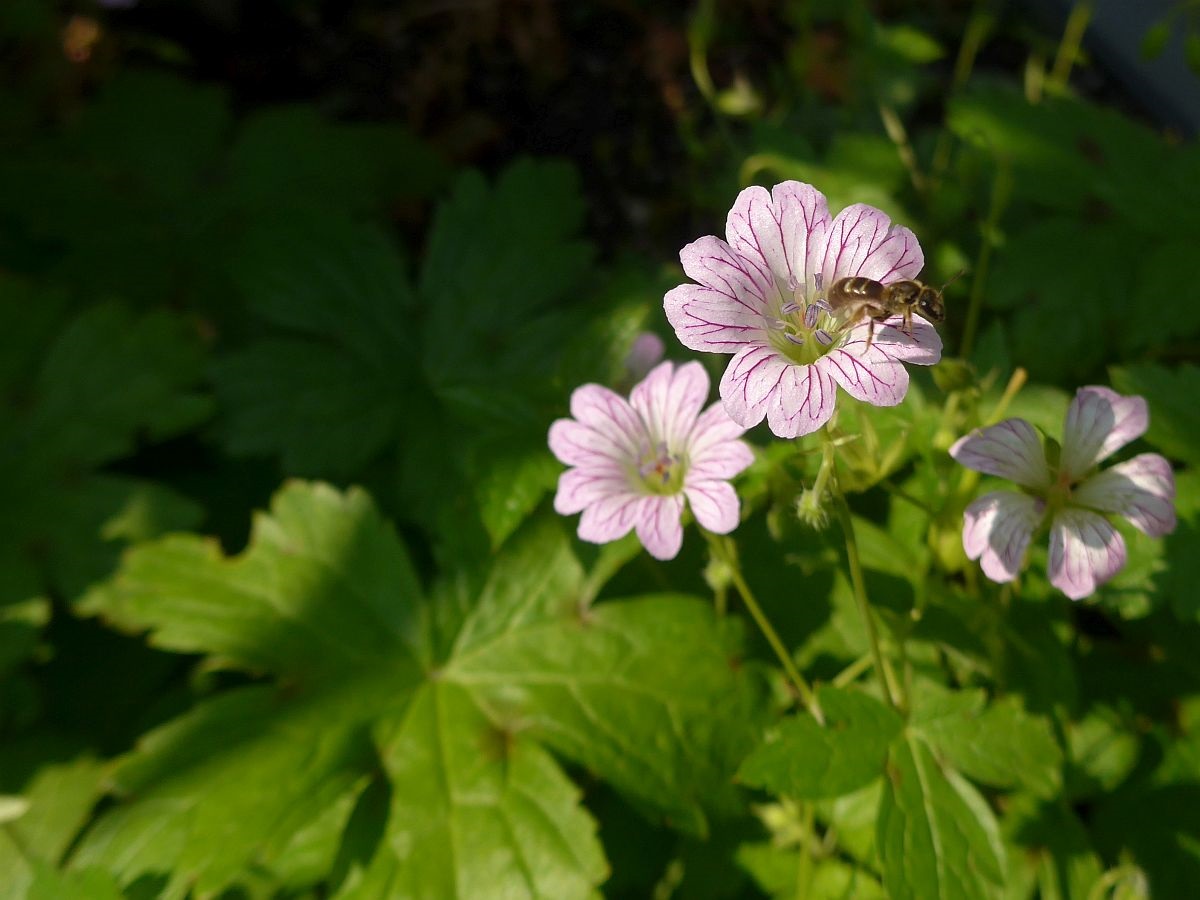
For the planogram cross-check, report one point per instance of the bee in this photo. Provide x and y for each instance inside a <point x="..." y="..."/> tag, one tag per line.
<point x="858" y="297"/>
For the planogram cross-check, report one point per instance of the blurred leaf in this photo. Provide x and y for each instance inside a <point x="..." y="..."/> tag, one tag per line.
<point x="1154" y="41"/>
<point x="1000" y="745"/>
<point x="1191" y="51"/>
<point x="1182" y="550"/>
<point x="804" y="760"/>
<point x="1174" y="415"/>
<point x="20" y="625"/>
<point x="937" y="837"/>
<point x="462" y="693"/>
<point x="510" y="487"/>
<point x="331" y="391"/>
<point x="499" y="257"/>
<point x="84" y="884"/>
<point x="1055" y="844"/>
<point x="776" y="871"/>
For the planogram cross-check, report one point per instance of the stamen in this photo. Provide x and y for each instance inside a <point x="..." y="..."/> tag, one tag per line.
<point x="794" y="338"/>
<point x="819" y="280"/>
<point x="779" y="325"/>
<point x="792" y="283"/>
<point x="811" y="313"/>
<point x="790" y="307"/>
<point x="822" y="337"/>
<point x="823" y="305"/>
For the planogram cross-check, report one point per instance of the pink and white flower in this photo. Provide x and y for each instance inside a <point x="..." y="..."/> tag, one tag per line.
<point x="759" y="295"/>
<point x="1068" y="493"/>
<point x="635" y="462"/>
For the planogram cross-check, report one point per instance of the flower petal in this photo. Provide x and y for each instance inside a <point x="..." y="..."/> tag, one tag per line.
<point x="580" y="488"/>
<point x="714" y="504"/>
<point x="646" y="352"/>
<point x="1085" y="551"/>
<point x="784" y="231"/>
<point x="1141" y="489"/>
<point x="669" y="399"/>
<point x="713" y="450"/>
<point x="727" y="309"/>
<point x="996" y="531"/>
<point x="750" y="379"/>
<point x="863" y="241"/>
<point x="1010" y="450"/>
<point x="1099" y="422"/>
<point x="867" y="374"/>
<point x="658" y="525"/>
<point x="922" y="348"/>
<point x="805" y="400"/>
<point x="609" y="414"/>
<point x="610" y="517"/>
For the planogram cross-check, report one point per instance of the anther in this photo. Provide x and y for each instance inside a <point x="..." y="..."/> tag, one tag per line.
<point x="811" y="313"/>
<point x="822" y="337"/>
<point x="794" y="338"/>
<point x="790" y="307"/>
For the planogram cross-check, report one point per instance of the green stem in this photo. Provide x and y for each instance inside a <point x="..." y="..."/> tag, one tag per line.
<point x="1068" y="47"/>
<point x="807" y="852"/>
<point x="887" y="679"/>
<point x="719" y="548"/>
<point x="1001" y="186"/>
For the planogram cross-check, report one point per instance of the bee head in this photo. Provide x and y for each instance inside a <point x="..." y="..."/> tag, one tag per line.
<point x="905" y="292"/>
<point x="930" y="305"/>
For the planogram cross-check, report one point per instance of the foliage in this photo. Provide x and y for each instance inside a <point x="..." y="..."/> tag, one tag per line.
<point x="284" y="609"/>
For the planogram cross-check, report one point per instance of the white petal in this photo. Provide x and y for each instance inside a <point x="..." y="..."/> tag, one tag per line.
<point x="863" y="241"/>
<point x="728" y="308"/>
<point x="922" y="348"/>
<point x="1099" y="422"/>
<point x="868" y="374"/>
<point x="996" y="531"/>
<point x="609" y="518"/>
<point x="1010" y="450"/>
<point x="714" y="450"/>
<point x="750" y="380"/>
<point x="784" y="231"/>
<point x="805" y="400"/>
<point x="580" y="488"/>
<point x="1141" y="489"/>
<point x="669" y="399"/>
<point x="610" y="415"/>
<point x="658" y="525"/>
<point x="1085" y="551"/>
<point x="714" y="504"/>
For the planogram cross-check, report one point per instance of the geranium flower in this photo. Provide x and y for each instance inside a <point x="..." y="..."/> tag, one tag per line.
<point x="1067" y="492"/>
<point x="634" y="462"/>
<point x="759" y="295"/>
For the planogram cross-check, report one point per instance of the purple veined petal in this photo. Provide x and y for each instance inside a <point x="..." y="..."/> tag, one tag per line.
<point x="714" y="450"/>
<point x="750" y="379"/>
<point x="863" y="241"/>
<point x="1010" y="449"/>
<point x="609" y="414"/>
<point x="714" y="504"/>
<point x="1085" y="551"/>
<point x="707" y="320"/>
<point x="610" y="518"/>
<point x="996" y="531"/>
<point x="805" y="400"/>
<point x="868" y="374"/>
<point x="576" y="444"/>
<point x="711" y="262"/>
<point x="1141" y="489"/>
<point x="922" y="348"/>
<point x="580" y="488"/>
<point x="658" y="525"/>
<point x="784" y="231"/>
<point x="669" y="400"/>
<point x="1099" y="422"/>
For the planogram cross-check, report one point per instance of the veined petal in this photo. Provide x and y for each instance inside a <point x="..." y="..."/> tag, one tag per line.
<point x="805" y="400"/>
<point x="658" y="525"/>
<point x="717" y="458"/>
<point x="1141" y="489"/>
<point x="580" y="488"/>
<point x="714" y="504"/>
<point x="863" y="241"/>
<point x="713" y="429"/>
<point x="669" y="399"/>
<point x="707" y="320"/>
<point x="1010" y="449"/>
<point x="1099" y="422"/>
<point x="867" y="374"/>
<point x="922" y="348"/>
<point x="576" y="444"/>
<point x="609" y="414"/>
<point x="1085" y="551"/>
<point x="750" y="379"/>
<point x="996" y="531"/>
<point x="783" y="231"/>
<point x="610" y="517"/>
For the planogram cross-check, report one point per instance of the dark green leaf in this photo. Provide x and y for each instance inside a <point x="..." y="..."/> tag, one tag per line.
<point x="1174" y="415"/>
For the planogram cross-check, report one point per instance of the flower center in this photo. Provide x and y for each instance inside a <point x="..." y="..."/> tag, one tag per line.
<point x="805" y="328"/>
<point x="660" y="470"/>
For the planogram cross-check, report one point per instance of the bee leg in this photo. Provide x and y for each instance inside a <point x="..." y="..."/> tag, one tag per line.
<point x="870" y="332"/>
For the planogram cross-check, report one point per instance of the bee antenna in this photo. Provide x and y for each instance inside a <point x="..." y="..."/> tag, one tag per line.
<point x="959" y="274"/>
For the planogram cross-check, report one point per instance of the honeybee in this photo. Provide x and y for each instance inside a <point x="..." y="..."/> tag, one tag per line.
<point x="858" y="297"/>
